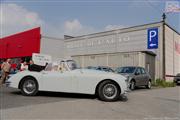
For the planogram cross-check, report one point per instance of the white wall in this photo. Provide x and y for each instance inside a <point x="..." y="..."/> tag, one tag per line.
<point x="177" y="53"/>
<point x="169" y="38"/>
<point x="52" y="46"/>
<point x="172" y="55"/>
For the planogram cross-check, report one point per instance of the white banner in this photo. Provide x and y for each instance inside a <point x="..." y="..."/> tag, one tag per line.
<point x="172" y="6"/>
<point x="41" y="59"/>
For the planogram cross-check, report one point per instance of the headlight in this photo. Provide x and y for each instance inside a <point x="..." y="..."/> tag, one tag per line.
<point x="127" y="81"/>
<point x="127" y="78"/>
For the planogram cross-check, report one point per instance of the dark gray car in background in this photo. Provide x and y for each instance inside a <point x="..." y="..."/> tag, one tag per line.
<point x="137" y="76"/>
<point x="177" y="79"/>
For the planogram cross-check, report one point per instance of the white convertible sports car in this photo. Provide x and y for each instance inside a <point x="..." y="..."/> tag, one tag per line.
<point x="66" y="77"/>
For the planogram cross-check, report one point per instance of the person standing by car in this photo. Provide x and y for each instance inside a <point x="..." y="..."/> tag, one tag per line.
<point x="6" y="66"/>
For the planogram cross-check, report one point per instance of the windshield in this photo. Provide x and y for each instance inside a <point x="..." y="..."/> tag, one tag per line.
<point x="62" y="66"/>
<point x="48" y="67"/>
<point x="51" y="67"/>
<point x="71" y="64"/>
<point x="126" y="69"/>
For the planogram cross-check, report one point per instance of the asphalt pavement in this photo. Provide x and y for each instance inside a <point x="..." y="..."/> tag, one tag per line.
<point x="142" y="104"/>
<point x="12" y="98"/>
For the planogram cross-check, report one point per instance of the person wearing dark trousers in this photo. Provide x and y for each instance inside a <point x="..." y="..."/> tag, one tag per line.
<point x="34" y="67"/>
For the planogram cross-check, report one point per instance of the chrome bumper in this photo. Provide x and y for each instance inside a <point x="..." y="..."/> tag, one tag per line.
<point x="128" y="85"/>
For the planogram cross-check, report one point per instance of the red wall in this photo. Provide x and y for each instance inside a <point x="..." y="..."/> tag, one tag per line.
<point x="20" y="45"/>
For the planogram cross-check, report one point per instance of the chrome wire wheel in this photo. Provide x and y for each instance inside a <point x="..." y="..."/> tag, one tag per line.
<point x="110" y="91"/>
<point x="29" y="86"/>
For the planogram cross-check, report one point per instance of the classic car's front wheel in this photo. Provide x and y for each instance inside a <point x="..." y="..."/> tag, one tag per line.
<point x="108" y="91"/>
<point x="29" y="86"/>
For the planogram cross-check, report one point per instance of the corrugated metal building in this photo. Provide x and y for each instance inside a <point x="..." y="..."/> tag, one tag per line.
<point x="128" y="46"/>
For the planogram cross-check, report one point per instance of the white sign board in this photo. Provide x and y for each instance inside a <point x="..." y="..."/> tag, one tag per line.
<point x="41" y="59"/>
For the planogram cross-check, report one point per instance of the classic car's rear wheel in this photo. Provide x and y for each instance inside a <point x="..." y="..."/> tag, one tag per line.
<point x="108" y="91"/>
<point x="29" y="86"/>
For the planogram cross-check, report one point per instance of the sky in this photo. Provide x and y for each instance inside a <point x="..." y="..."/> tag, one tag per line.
<point x="78" y="17"/>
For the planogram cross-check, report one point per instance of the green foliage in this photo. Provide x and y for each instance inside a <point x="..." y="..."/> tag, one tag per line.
<point x="163" y="83"/>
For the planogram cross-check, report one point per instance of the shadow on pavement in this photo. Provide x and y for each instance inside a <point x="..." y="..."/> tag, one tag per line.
<point x="16" y="93"/>
<point x="58" y="94"/>
<point x="140" y="88"/>
<point x="123" y="98"/>
<point x="65" y="95"/>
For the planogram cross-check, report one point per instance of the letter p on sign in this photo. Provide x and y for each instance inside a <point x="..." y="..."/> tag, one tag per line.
<point x="152" y="38"/>
<point x="152" y="35"/>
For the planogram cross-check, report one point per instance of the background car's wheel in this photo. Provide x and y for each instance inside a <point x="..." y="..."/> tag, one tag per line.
<point x="29" y="86"/>
<point x="108" y="91"/>
<point x="132" y="85"/>
<point x="148" y="86"/>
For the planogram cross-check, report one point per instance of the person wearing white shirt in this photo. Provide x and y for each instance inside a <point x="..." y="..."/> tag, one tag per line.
<point x="24" y="66"/>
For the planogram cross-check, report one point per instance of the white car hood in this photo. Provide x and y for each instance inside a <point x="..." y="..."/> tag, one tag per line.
<point x="100" y="73"/>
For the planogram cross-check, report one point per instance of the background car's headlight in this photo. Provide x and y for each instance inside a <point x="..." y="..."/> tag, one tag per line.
<point x="127" y="81"/>
<point x="127" y="78"/>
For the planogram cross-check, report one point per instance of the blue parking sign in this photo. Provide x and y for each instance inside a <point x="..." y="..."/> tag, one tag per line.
<point x="152" y="38"/>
